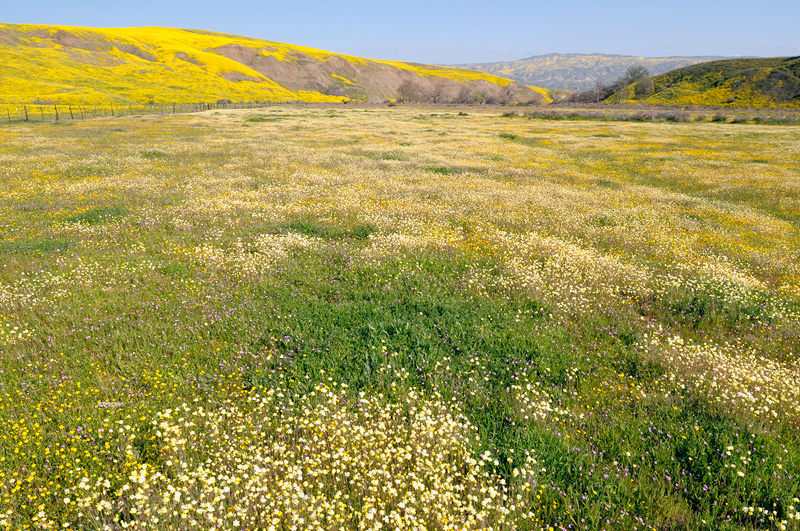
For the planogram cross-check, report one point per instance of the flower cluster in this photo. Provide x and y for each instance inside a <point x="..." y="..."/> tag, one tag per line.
<point x="316" y="463"/>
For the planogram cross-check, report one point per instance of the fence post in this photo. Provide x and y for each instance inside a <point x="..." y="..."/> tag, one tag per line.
<point x="70" y="113"/>
<point x="26" y="112"/>
<point x="56" y="109"/>
<point x="112" y="110"/>
<point x="9" y="114"/>
<point x="41" y="111"/>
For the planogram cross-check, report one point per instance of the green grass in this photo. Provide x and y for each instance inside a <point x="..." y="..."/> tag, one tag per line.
<point x="259" y="118"/>
<point x="153" y="154"/>
<point x="388" y="155"/>
<point x="444" y="170"/>
<point x="36" y="246"/>
<point x="328" y="231"/>
<point x="98" y="215"/>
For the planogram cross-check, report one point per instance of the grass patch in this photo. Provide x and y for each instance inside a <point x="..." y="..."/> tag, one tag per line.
<point x="262" y="118"/>
<point x="519" y="139"/>
<point x="177" y="269"/>
<point x="327" y="231"/>
<point x="36" y="246"/>
<point x="152" y="154"/>
<point x="443" y="170"/>
<point x="383" y="155"/>
<point x="84" y="171"/>
<point x="98" y="215"/>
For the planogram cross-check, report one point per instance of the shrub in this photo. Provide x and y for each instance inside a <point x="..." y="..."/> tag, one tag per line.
<point x="676" y="116"/>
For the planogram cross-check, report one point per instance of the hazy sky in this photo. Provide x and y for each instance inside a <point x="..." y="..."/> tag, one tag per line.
<point x="457" y="31"/>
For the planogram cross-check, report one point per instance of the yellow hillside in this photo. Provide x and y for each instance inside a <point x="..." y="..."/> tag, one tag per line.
<point x="73" y="65"/>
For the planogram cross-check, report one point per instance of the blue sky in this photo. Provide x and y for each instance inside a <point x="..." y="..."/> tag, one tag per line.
<point x="458" y="31"/>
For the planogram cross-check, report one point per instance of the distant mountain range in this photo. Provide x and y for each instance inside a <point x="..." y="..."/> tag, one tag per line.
<point x="72" y="65"/>
<point x="579" y="72"/>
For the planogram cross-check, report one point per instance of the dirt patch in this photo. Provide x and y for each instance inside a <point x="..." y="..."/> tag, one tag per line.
<point x="10" y="38"/>
<point x="138" y="52"/>
<point x="188" y="58"/>
<point x="237" y="52"/>
<point x="65" y="38"/>
<point x="238" y="76"/>
<point x="70" y="40"/>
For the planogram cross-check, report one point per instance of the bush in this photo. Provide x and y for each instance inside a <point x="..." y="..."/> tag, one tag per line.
<point x="642" y="117"/>
<point x="676" y="116"/>
<point x="644" y="87"/>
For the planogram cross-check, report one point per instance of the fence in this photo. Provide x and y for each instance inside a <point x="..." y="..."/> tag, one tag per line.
<point x="50" y="113"/>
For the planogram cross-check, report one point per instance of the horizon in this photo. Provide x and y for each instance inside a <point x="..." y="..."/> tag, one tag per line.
<point x="436" y="33"/>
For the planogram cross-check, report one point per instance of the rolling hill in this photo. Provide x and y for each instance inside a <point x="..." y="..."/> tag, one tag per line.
<point x="763" y="82"/>
<point x="73" y="65"/>
<point x="579" y="72"/>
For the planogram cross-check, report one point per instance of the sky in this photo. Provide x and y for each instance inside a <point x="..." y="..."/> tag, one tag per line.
<point x="458" y="31"/>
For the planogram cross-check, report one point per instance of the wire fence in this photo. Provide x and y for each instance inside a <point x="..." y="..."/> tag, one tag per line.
<point x="55" y="113"/>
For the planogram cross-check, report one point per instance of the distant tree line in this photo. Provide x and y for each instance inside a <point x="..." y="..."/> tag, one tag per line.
<point x="637" y="77"/>
<point x="411" y="91"/>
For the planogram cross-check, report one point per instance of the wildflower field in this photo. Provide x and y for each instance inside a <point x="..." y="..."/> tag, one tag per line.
<point x="346" y="317"/>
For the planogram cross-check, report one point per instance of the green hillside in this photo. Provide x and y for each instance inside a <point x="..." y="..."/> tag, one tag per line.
<point x="72" y="65"/>
<point x="762" y="82"/>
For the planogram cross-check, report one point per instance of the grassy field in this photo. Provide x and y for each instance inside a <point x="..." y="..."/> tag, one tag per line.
<point x="398" y="318"/>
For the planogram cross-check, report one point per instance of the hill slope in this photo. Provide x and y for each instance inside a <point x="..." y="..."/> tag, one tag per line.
<point x="579" y="72"/>
<point x="75" y="65"/>
<point x="763" y="82"/>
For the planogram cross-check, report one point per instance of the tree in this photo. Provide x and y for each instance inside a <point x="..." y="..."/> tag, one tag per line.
<point x="598" y="93"/>
<point x="465" y="95"/>
<point x="436" y="94"/>
<point x="409" y="91"/>
<point x="640" y="76"/>
<point x="635" y="73"/>
<point x="632" y="75"/>
<point x="602" y="91"/>
<point x="508" y="93"/>
<point x="644" y="87"/>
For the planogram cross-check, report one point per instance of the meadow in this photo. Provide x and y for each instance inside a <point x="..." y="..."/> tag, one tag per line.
<point x="347" y="317"/>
